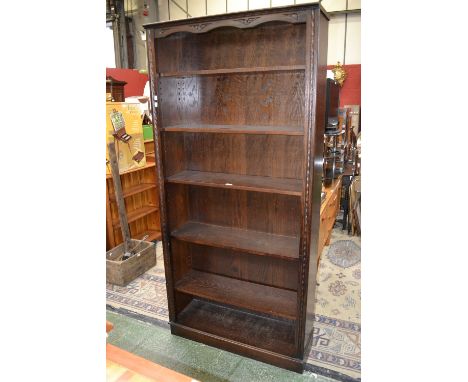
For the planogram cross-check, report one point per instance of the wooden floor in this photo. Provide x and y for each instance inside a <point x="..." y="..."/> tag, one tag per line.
<point x="124" y="366"/>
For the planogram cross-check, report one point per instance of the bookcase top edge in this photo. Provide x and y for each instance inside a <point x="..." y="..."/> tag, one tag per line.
<point x="235" y="15"/>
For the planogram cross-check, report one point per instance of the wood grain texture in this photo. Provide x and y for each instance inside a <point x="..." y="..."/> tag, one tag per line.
<point x="328" y="212"/>
<point x="137" y="214"/>
<point x="136" y="189"/>
<point x="239" y="182"/>
<point x="266" y="270"/>
<point x="223" y="108"/>
<point x="237" y="99"/>
<point x="258" y="353"/>
<point x="242" y="294"/>
<point x="233" y="48"/>
<point x="253" y="69"/>
<point x="236" y="129"/>
<point x="119" y="198"/>
<point x="270" y="213"/>
<point x="152" y="46"/>
<point x="247" y="22"/>
<point x="143" y="366"/>
<point x="318" y="22"/>
<point x="254" y="330"/>
<point x="254" y="242"/>
<point x="242" y="154"/>
<point x="140" y="190"/>
<point x="121" y="272"/>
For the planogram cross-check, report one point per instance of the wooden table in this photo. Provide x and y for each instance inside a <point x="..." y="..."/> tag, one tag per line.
<point x="328" y="211"/>
<point x="124" y="366"/>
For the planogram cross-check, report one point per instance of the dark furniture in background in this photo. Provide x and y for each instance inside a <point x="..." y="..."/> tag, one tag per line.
<point x="239" y="140"/>
<point x="348" y="175"/>
<point x="333" y="100"/>
<point x="116" y="88"/>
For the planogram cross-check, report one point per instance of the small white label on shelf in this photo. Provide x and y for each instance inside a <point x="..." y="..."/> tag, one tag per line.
<point x="228" y="184"/>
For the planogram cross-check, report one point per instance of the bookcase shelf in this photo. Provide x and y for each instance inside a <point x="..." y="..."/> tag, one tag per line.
<point x="137" y="214"/>
<point x="243" y="294"/>
<point x="148" y="165"/>
<point x="255" y="69"/>
<point x="137" y="189"/>
<point x="239" y="128"/>
<point x="235" y="129"/>
<point x="152" y="235"/>
<point x="259" y="331"/>
<point x="255" y="242"/>
<point x="239" y="182"/>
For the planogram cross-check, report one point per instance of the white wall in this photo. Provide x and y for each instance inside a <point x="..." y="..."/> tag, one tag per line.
<point x="110" y="50"/>
<point x="336" y="39"/>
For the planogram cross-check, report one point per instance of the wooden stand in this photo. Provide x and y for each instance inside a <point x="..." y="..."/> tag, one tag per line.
<point x="239" y="142"/>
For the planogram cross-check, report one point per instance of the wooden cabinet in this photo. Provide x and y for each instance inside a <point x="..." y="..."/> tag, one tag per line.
<point x="140" y="191"/>
<point x="116" y="89"/>
<point x="239" y="142"/>
<point x="328" y="211"/>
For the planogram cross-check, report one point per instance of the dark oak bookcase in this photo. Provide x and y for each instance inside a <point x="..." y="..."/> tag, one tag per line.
<point x="238" y="136"/>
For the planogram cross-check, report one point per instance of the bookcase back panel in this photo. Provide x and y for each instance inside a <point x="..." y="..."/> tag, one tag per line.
<point x="245" y="266"/>
<point x="257" y="211"/>
<point x="181" y="259"/>
<point x="244" y="154"/>
<point x="174" y="157"/>
<point x="271" y="99"/>
<point x="271" y="44"/>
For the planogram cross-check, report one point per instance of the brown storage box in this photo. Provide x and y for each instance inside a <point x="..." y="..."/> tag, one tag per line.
<point x="122" y="272"/>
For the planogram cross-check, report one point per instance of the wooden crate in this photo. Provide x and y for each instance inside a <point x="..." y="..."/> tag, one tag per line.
<point x="122" y="272"/>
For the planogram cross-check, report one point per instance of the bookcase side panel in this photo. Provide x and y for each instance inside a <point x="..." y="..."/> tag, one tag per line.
<point x="152" y="48"/>
<point x="317" y="33"/>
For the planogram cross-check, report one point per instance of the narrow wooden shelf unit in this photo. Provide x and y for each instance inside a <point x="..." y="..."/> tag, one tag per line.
<point x="239" y="129"/>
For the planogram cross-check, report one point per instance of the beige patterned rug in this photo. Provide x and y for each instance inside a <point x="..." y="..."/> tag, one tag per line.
<point x="336" y="348"/>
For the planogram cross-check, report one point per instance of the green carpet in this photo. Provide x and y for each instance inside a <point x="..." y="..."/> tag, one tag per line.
<point x="199" y="361"/>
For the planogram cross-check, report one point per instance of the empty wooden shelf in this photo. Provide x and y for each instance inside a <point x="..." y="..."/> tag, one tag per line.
<point x="232" y="70"/>
<point x="136" y="189"/>
<point x="222" y="322"/>
<point x="256" y="242"/>
<point x="238" y="182"/>
<point x="238" y="133"/>
<point x="232" y="129"/>
<point x="275" y="301"/>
